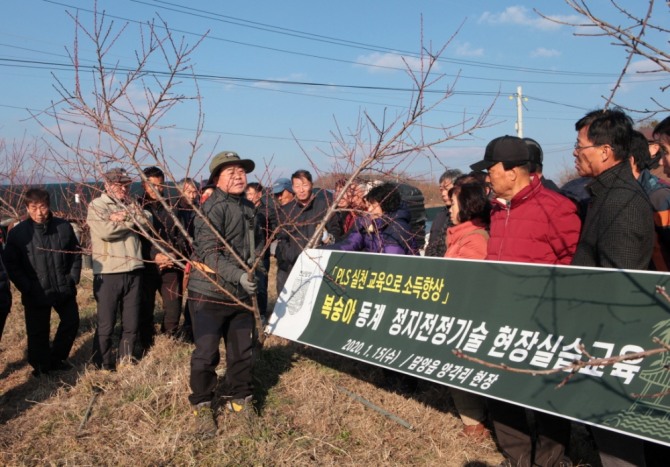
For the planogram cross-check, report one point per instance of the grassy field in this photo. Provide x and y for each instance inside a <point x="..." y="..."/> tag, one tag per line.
<point x="309" y="411"/>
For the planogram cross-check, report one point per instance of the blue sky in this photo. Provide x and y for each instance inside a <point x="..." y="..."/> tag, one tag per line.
<point x="288" y="125"/>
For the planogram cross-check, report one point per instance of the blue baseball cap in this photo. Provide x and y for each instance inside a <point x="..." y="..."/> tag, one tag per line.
<point x="282" y="184"/>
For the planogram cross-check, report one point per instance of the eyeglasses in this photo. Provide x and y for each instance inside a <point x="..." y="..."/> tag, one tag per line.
<point x="579" y="148"/>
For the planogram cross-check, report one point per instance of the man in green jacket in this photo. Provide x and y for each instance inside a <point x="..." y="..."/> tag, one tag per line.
<point x="220" y="292"/>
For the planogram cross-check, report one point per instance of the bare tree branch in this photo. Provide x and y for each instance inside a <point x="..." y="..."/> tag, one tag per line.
<point x="629" y="36"/>
<point x="574" y="366"/>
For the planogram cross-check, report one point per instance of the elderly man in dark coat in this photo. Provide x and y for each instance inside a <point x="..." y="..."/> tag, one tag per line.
<point x="221" y="291"/>
<point x="618" y="230"/>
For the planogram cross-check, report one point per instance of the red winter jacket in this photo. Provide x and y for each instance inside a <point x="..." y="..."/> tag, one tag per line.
<point x="537" y="226"/>
<point x="467" y="240"/>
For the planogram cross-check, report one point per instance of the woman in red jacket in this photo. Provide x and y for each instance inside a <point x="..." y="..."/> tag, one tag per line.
<point x="467" y="238"/>
<point x="470" y="214"/>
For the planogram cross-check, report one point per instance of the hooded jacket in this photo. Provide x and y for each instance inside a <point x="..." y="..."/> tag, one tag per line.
<point x="43" y="260"/>
<point x="536" y="226"/>
<point x="390" y="233"/>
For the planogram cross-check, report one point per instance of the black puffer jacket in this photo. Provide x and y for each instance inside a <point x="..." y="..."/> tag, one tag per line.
<point x="5" y="292"/>
<point x="233" y="216"/>
<point x="43" y="260"/>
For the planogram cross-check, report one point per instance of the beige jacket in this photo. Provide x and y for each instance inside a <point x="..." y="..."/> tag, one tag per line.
<point x="115" y="246"/>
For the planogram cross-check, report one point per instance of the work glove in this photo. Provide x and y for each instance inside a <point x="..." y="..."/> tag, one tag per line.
<point x="248" y="285"/>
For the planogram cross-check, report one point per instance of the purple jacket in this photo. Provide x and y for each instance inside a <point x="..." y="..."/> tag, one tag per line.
<point x="389" y="234"/>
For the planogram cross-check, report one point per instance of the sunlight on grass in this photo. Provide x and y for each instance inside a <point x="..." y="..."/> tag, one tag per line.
<point x="142" y="415"/>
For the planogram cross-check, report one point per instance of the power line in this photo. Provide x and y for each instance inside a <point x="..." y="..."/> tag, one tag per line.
<point x="411" y="54"/>
<point x="347" y="43"/>
<point x="211" y="77"/>
<point x="45" y="64"/>
<point x="539" y="99"/>
<point x="38" y="64"/>
<point x="33" y="64"/>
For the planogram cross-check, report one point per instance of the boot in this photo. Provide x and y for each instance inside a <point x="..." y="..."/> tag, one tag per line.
<point x="205" y="425"/>
<point x="240" y="405"/>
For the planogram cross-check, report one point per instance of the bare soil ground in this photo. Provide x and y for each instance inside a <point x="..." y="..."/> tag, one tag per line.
<point x="307" y="401"/>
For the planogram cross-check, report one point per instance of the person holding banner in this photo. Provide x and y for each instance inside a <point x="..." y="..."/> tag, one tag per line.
<point x="531" y="224"/>
<point x="618" y="229"/>
<point x="384" y="228"/>
<point x="467" y="238"/>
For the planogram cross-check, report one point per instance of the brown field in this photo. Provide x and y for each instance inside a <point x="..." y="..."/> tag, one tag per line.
<point x="304" y="414"/>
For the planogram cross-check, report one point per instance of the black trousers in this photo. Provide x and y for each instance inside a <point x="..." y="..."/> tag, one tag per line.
<point x="619" y="450"/>
<point x="41" y="355"/>
<point x="515" y="440"/>
<point x="116" y="293"/>
<point x="169" y="284"/>
<point x="262" y="293"/>
<point x="211" y="321"/>
<point x="186" y="331"/>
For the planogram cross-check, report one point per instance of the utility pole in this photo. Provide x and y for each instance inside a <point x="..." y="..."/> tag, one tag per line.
<point x="519" y="111"/>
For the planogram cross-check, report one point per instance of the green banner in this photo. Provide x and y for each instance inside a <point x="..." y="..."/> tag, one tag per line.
<point x="409" y="313"/>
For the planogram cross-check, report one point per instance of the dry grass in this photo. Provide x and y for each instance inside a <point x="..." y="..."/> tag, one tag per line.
<point x="142" y="417"/>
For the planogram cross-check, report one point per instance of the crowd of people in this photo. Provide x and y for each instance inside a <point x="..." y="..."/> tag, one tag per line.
<point x="213" y="245"/>
<point x="615" y="215"/>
